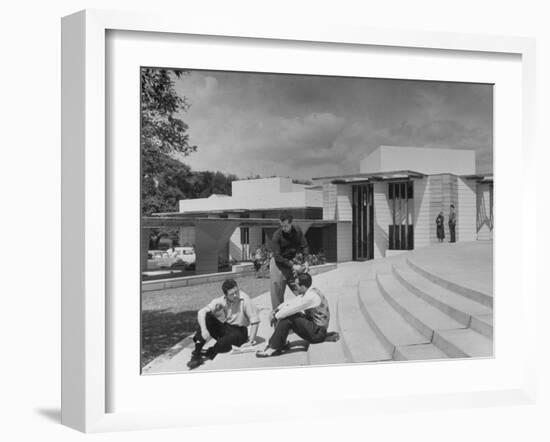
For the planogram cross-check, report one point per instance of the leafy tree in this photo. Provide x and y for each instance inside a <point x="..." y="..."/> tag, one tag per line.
<point x="166" y="180"/>
<point x="163" y="134"/>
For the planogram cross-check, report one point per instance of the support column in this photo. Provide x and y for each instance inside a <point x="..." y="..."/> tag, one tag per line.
<point x="211" y="238"/>
<point x="303" y="225"/>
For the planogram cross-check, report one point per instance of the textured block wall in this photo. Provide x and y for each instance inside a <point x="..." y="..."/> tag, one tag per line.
<point x="466" y="229"/>
<point x="424" y="225"/>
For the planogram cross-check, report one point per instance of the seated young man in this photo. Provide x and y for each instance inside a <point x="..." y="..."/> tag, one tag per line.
<point x="226" y="319"/>
<point x="307" y="315"/>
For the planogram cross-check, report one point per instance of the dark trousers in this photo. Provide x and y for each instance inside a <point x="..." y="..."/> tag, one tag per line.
<point x="226" y="335"/>
<point x="302" y="326"/>
<point x="452" y="231"/>
<point x="280" y="278"/>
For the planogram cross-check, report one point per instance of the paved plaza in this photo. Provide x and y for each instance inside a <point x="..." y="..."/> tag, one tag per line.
<point x="431" y="303"/>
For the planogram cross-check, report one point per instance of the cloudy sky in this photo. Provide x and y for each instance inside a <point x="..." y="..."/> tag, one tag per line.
<point x="310" y="126"/>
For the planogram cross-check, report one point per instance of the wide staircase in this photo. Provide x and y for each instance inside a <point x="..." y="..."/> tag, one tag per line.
<point x="434" y="303"/>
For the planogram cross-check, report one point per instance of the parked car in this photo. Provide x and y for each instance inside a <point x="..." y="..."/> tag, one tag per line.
<point x="183" y="256"/>
<point x="157" y="259"/>
<point x="174" y="257"/>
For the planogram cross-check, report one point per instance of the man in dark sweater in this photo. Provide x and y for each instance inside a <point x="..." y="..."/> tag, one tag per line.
<point x="287" y="242"/>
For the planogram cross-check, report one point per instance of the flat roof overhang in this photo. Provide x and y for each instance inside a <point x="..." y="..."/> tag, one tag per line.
<point x="230" y="211"/>
<point x="161" y="220"/>
<point x="480" y="178"/>
<point x="359" y="178"/>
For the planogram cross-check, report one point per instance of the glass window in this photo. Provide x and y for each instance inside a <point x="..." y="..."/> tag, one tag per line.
<point x="245" y="235"/>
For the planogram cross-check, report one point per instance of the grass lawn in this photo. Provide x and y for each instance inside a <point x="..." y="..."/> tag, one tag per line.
<point x="170" y="315"/>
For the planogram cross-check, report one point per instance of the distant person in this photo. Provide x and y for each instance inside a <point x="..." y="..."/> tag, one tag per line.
<point x="226" y="319"/>
<point x="307" y="315"/>
<point x="452" y="223"/>
<point x="287" y="242"/>
<point x="258" y="259"/>
<point x="440" y="227"/>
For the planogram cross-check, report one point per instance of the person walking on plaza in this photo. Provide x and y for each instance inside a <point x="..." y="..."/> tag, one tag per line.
<point x="452" y="223"/>
<point x="440" y="227"/>
<point x="287" y="242"/>
<point x="307" y="315"/>
<point x="226" y="319"/>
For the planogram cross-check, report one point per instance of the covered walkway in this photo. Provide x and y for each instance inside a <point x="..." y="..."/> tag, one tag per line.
<point x="212" y="234"/>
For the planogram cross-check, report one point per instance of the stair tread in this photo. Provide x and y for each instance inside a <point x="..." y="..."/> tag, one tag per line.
<point x="359" y="338"/>
<point x="450" y="282"/>
<point x="488" y="319"/>
<point x="442" y="294"/>
<point x="469" y="341"/>
<point x="390" y="323"/>
<point x="421" y="351"/>
<point x="426" y="313"/>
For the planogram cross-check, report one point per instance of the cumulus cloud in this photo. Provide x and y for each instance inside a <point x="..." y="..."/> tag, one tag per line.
<point x="304" y="126"/>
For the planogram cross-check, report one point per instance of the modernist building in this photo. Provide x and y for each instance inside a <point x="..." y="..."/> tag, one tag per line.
<point x="389" y="206"/>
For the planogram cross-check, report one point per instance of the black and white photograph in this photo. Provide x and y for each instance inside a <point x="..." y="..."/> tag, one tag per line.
<point x="310" y="220"/>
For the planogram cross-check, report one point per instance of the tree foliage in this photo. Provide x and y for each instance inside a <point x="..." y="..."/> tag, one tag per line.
<point x="163" y="134"/>
<point x="166" y="180"/>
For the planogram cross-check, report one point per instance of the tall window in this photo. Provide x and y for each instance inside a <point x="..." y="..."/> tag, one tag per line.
<point x="401" y="232"/>
<point x="245" y="244"/>
<point x="245" y="235"/>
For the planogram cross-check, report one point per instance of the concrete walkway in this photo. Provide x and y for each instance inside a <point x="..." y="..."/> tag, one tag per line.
<point x="426" y="304"/>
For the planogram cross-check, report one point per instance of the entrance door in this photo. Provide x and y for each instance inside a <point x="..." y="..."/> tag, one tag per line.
<point x="401" y="232"/>
<point x="363" y="220"/>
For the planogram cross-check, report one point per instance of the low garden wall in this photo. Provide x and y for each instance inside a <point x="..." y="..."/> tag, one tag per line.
<point x="162" y="284"/>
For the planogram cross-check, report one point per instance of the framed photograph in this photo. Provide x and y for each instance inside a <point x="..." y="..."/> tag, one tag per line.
<point x="272" y="208"/>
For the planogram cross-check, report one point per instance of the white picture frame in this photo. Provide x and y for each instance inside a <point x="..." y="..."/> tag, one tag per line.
<point x="86" y="312"/>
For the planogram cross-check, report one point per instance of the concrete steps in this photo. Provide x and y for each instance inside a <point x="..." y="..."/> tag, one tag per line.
<point x="421" y="315"/>
<point x="462" y="309"/>
<point x="463" y="343"/>
<point x="401" y="308"/>
<point x="446" y="283"/>
<point x="360" y="341"/>
<point x="390" y="327"/>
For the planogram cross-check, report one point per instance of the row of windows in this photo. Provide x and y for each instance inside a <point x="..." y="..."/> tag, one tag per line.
<point x="400" y="190"/>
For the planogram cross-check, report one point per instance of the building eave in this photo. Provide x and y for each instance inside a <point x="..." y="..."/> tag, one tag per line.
<point x="372" y="177"/>
<point x="182" y="221"/>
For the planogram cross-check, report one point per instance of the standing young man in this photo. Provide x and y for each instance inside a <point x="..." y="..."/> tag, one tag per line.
<point x="440" y="227"/>
<point x="226" y="319"/>
<point x="287" y="242"/>
<point x="452" y="223"/>
<point x="307" y="315"/>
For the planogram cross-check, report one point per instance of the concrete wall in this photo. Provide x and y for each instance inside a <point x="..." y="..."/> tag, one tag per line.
<point x="259" y="187"/>
<point x="337" y="202"/>
<point x="420" y="159"/>
<point x="344" y="239"/>
<point x="187" y="235"/>
<point x="344" y="209"/>
<point x="382" y="219"/>
<point x="329" y="201"/>
<point x="424" y="225"/>
<point x="265" y="193"/>
<point x="484" y="212"/>
<point x="466" y="210"/>
<point x="330" y="243"/>
<point x="436" y="193"/>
